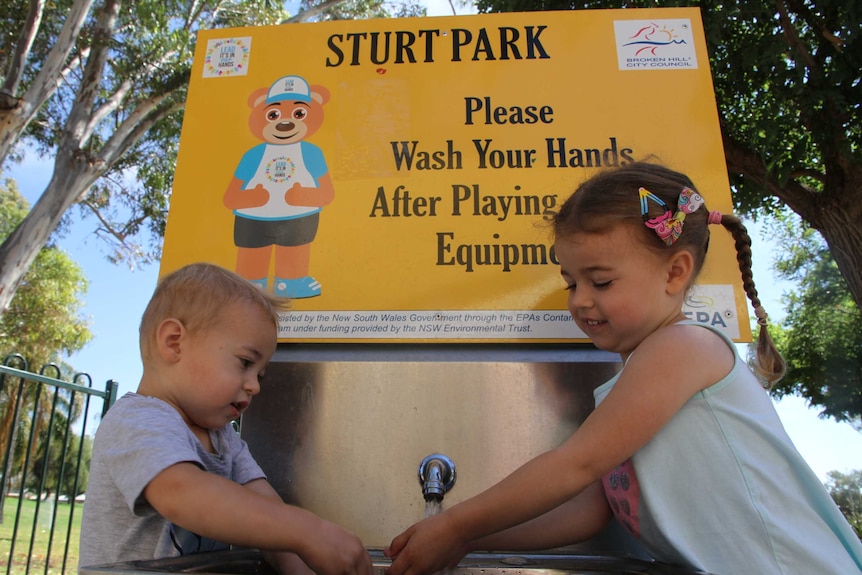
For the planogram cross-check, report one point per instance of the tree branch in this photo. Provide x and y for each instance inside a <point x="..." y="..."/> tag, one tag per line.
<point x="106" y="225"/>
<point x="77" y="124"/>
<point x="790" y="34"/>
<point x="817" y="24"/>
<point x="115" y="100"/>
<point x="312" y="12"/>
<point x="195" y="8"/>
<point x="46" y="81"/>
<point x="14" y="121"/>
<point x="22" y="49"/>
<point x="749" y="164"/>
<point x="808" y="173"/>
<point x="111" y="103"/>
<point x="144" y="116"/>
<point x="74" y="64"/>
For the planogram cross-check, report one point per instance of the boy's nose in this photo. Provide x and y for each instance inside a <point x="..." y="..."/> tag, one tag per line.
<point x="251" y="386"/>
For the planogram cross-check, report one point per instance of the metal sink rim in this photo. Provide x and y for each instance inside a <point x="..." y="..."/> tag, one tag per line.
<point x="479" y="563"/>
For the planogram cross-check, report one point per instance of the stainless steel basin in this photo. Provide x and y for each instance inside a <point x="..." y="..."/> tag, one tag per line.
<point x="248" y="562"/>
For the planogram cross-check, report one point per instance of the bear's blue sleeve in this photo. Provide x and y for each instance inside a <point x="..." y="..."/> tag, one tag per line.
<point x="314" y="161"/>
<point x="249" y="163"/>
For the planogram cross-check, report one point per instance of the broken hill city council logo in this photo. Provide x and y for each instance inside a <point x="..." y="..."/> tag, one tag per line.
<point x="655" y="44"/>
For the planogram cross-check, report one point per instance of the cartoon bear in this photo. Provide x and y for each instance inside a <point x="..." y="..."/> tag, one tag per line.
<point x="280" y="186"/>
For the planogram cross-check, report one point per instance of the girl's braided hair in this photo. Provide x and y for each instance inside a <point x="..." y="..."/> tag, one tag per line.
<point x="612" y="197"/>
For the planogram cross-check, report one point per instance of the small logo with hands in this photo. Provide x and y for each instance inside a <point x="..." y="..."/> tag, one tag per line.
<point x="227" y="57"/>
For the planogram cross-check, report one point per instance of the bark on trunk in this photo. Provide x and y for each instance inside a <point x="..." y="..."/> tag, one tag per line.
<point x="840" y="222"/>
<point x="71" y="178"/>
<point x="836" y="211"/>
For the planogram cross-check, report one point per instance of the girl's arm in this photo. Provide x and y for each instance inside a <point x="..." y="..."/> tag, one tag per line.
<point x="220" y="509"/>
<point x="668" y="368"/>
<point x="576" y="520"/>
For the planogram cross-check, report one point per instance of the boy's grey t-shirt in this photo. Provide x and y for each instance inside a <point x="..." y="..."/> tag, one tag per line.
<point x="139" y="438"/>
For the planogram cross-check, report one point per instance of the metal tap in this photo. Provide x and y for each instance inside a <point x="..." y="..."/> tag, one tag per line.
<point x="437" y="476"/>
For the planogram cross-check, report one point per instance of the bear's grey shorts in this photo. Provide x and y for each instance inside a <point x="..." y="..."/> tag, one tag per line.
<point x="249" y="233"/>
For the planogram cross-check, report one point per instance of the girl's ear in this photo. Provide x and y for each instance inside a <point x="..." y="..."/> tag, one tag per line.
<point x="170" y="335"/>
<point x="679" y="271"/>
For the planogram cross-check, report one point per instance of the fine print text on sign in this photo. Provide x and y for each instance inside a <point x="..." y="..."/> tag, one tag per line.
<point x="701" y="305"/>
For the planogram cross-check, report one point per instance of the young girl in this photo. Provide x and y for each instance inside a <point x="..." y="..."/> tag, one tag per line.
<point x="684" y="447"/>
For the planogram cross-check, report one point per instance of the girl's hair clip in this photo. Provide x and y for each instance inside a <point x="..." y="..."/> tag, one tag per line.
<point x="669" y="227"/>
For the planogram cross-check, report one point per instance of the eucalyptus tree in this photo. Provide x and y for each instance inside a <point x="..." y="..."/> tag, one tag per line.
<point x="43" y="321"/>
<point x="788" y="84"/>
<point x="100" y="88"/>
<point x="821" y="332"/>
<point x="44" y="318"/>
<point x="55" y="466"/>
<point x="357" y="9"/>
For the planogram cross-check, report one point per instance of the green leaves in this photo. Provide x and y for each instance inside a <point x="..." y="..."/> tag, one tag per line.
<point x="821" y="336"/>
<point x="846" y="491"/>
<point x="43" y="318"/>
<point x="127" y="127"/>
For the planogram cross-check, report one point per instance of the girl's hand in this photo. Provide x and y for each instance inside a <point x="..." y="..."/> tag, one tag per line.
<point x="426" y="547"/>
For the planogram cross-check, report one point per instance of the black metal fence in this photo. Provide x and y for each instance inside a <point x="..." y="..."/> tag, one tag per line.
<point x="45" y="439"/>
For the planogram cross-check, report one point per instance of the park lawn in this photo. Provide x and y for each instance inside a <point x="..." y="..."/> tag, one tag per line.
<point x="42" y="537"/>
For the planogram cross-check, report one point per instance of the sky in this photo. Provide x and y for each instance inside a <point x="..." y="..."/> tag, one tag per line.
<point x="118" y="295"/>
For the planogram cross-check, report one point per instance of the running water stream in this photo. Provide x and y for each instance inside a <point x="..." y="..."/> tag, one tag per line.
<point x="433" y="507"/>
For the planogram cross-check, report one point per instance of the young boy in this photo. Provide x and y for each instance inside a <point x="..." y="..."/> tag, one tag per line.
<point x="169" y="476"/>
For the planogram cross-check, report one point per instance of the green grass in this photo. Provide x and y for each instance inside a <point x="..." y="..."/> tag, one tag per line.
<point x="41" y="538"/>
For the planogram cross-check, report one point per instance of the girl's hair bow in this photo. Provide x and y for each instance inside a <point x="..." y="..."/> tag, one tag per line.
<point x="669" y="226"/>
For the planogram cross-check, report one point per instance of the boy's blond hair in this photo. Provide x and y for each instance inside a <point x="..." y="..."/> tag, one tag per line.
<point x="196" y="295"/>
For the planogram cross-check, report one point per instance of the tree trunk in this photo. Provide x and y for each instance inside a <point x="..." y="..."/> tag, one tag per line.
<point x="840" y="222"/>
<point x="12" y="123"/>
<point x="835" y="211"/>
<point x="71" y="178"/>
<point x="7" y="436"/>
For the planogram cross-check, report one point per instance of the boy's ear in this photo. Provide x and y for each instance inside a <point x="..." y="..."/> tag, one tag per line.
<point x="170" y="334"/>
<point x="679" y="271"/>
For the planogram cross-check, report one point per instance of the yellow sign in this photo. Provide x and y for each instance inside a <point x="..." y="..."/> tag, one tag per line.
<point x="395" y="176"/>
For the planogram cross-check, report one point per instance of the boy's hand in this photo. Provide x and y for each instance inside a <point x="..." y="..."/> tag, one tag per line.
<point x="426" y="547"/>
<point x="332" y="550"/>
<point x="328" y="549"/>
<point x="207" y="504"/>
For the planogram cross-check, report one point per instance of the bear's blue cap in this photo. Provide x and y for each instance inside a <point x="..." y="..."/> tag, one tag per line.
<point x="289" y="88"/>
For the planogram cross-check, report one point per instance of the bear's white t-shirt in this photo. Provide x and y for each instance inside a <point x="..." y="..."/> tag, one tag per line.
<point x="278" y="167"/>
